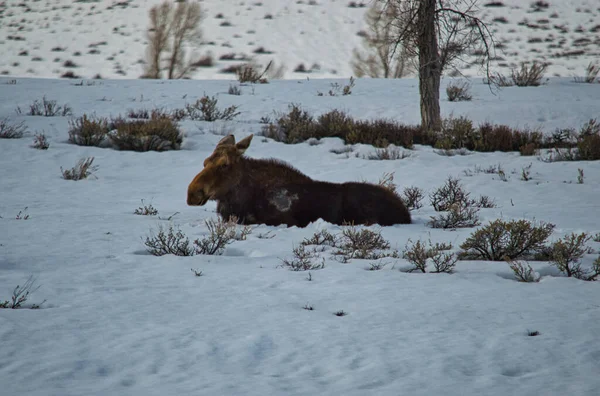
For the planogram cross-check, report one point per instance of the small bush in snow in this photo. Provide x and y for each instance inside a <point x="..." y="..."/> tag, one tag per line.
<point x="458" y="216"/>
<point x="205" y="109"/>
<point x="566" y="255"/>
<point x="234" y="90"/>
<point x="355" y="243"/>
<point x="523" y="271"/>
<point x="514" y="239"/>
<point x="596" y="237"/>
<point x="40" y="142"/>
<point x="529" y="76"/>
<point x="48" y="108"/>
<point x="88" y="131"/>
<point x="412" y="197"/>
<point x="387" y="181"/>
<point x="320" y="238"/>
<point x="388" y="154"/>
<point x="146" y="210"/>
<point x="340" y="313"/>
<point x="591" y="73"/>
<point x="459" y="91"/>
<point x="451" y="193"/>
<point x="418" y="254"/>
<point x="169" y="241"/>
<point x="304" y="260"/>
<point x="20" y="295"/>
<point x="456" y="133"/>
<point x="10" y="130"/>
<point x="82" y="170"/>
<point x="220" y="234"/>
<point x="155" y="134"/>
<point x="249" y="73"/>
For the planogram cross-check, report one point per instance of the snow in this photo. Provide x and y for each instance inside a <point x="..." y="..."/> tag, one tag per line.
<point x="117" y="320"/>
<point x="109" y="37"/>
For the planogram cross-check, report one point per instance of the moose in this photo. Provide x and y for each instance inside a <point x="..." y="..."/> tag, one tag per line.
<point x="272" y="192"/>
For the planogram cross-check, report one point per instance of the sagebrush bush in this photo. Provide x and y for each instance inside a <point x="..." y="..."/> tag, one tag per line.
<point x="355" y="243"/>
<point x="205" y="109"/>
<point x="458" y="216"/>
<point x="40" y="142"/>
<point x="155" y="134"/>
<point x="10" y="130"/>
<point x="566" y="255"/>
<point x="418" y="254"/>
<point x="304" y="259"/>
<point x="458" y="91"/>
<point x="47" y="108"/>
<point x="88" y="131"/>
<point x="412" y="197"/>
<point x="82" y="170"/>
<point x="319" y="238"/>
<point x="220" y="234"/>
<point x="514" y="239"/>
<point x="171" y="241"/>
<point x="146" y="210"/>
<point x="451" y="193"/>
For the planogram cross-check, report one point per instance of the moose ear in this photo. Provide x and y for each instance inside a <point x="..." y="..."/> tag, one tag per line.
<point x="227" y="140"/>
<point x="243" y="144"/>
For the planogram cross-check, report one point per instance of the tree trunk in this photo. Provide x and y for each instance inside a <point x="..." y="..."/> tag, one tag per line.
<point x="430" y="71"/>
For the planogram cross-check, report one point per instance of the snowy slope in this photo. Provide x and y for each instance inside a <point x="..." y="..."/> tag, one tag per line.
<point x="108" y="37"/>
<point x="119" y="321"/>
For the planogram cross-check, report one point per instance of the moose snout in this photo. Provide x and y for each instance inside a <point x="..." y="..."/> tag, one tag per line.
<point x="196" y="198"/>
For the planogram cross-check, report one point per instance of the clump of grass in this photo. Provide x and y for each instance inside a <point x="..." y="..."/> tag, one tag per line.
<point x="205" y="109"/>
<point x="82" y="170"/>
<point x="591" y="74"/>
<point x="419" y="255"/>
<point x="459" y="91"/>
<point x="9" y="130"/>
<point x="304" y="259"/>
<point x="234" y="90"/>
<point x="498" y="239"/>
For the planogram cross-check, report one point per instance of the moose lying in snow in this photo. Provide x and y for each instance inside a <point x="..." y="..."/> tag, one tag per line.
<point x="271" y="192"/>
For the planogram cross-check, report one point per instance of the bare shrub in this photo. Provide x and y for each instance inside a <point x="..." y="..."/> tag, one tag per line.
<point x="456" y="133"/>
<point x="418" y="254"/>
<point x="304" y="260"/>
<point x="21" y="294"/>
<point x="522" y="270"/>
<point x="172" y="28"/>
<point x="412" y="197"/>
<point x="451" y="193"/>
<point x="591" y="73"/>
<point x="234" y="90"/>
<point x="566" y="255"/>
<point x="48" y="108"/>
<point x="249" y="73"/>
<point x="459" y="91"/>
<point x="146" y="210"/>
<point x="40" y="142"/>
<point x="355" y="243"/>
<point x="82" y="170"/>
<point x="387" y="181"/>
<point x="9" y="130"/>
<point x="320" y="238"/>
<point x="220" y="234"/>
<point x="173" y="241"/>
<point x="525" y="76"/>
<point x="88" y="131"/>
<point x="514" y="239"/>
<point x="388" y="154"/>
<point x="205" y="109"/>
<point x="459" y="215"/>
<point x="156" y="134"/>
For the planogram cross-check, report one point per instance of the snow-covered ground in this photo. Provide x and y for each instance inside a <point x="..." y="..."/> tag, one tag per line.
<point x="118" y="320"/>
<point x="108" y="37"/>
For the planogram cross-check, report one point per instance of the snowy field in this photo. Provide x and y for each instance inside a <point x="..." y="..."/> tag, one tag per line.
<point x="119" y="321"/>
<point x="47" y="38"/>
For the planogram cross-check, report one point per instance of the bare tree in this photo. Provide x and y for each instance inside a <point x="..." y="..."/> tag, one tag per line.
<point x="379" y="57"/>
<point x="172" y="27"/>
<point x="440" y="32"/>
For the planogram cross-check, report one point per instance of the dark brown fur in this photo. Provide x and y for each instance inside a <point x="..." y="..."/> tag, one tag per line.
<point x="272" y="192"/>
